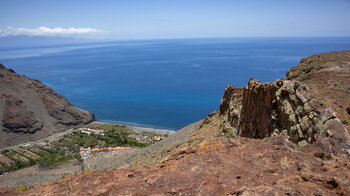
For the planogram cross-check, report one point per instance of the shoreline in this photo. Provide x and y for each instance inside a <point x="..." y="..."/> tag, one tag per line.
<point x="58" y="135"/>
<point x="137" y="128"/>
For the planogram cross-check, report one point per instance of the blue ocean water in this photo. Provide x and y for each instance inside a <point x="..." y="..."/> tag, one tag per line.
<point x="161" y="83"/>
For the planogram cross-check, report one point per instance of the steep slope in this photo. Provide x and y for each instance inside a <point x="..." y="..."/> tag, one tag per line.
<point x="281" y="107"/>
<point x="30" y="110"/>
<point x="224" y="166"/>
<point x="266" y="139"/>
<point x="328" y="77"/>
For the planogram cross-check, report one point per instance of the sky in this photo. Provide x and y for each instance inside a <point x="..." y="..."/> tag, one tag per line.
<point x="153" y="19"/>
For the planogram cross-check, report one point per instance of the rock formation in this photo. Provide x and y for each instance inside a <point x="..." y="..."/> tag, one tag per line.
<point x="309" y="154"/>
<point x="286" y="107"/>
<point x="328" y="78"/>
<point x="30" y="110"/>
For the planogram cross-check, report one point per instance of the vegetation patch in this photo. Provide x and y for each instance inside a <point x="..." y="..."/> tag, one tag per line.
<point x="322" y="103"/>
<point x="151" y="134"/>
<point x="20" y="190"/>
<point x="53" y="153"/>
<point x="346" y="121"/>
<point x="196" y="142"/>
<point x="229" y="133"/>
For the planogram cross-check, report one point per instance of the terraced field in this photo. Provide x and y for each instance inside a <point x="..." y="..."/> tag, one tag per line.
<point x="28" y="153"/>
<point x="5" y="160"/>
<point x="15" y="156"/>
<point x="21" y="157"/>
<point x="49" y="153"/>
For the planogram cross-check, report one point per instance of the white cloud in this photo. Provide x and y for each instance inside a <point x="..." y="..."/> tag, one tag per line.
<point x="45" y="31"/>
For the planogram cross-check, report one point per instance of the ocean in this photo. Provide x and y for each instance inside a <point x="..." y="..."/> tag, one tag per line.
<point x="164" y="84"/>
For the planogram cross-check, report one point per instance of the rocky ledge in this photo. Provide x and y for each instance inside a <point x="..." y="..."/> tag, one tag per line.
<point x="308" y="155"/>
<point x="286" y="107"/>
<point x="29" y="110"/>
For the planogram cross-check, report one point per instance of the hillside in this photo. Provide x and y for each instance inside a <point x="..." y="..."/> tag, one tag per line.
<point x="276" y="138"/>
<point x="328" y="77"/>
<point x="29" y="110"/>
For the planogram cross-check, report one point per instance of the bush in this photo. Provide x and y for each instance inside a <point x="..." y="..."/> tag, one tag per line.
<point x="196" y="142"/>
<point x="5" y="151"/>
<point x="53" y="159"/>
<point x="229" y="132"/>
<point x="347" y="121"/>
<point x="20" y="189"/>
<point x="322" y="103"/>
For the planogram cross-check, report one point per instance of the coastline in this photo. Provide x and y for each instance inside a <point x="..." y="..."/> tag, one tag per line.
<point x="138" y="128"/>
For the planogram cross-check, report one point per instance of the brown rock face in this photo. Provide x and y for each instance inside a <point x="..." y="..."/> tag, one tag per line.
<point x="281" y="107"/>
<point x="14" y="109"/>
<point x="328" y="77"/>
<point x="207" y="164"/>
<point x="29" y="110"/>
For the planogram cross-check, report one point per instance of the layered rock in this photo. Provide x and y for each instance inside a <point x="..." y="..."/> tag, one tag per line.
<point x="300" y="107"/>
<point x="328" y="77"/>
<point x="29" y="110"/>
<point x="286" y="107"/>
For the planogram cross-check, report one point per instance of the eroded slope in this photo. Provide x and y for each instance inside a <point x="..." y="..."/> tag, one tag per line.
<point x="267" y="139"/>
<point x="29" y="110"/>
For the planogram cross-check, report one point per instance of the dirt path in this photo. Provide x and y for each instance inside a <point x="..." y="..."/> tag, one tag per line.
<point x="53" y="137"/>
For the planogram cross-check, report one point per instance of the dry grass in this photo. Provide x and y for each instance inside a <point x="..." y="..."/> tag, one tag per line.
<point x="137" y="157"/>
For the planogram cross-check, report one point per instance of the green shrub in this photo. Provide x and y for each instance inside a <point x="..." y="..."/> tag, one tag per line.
<point x="347" y="121"/>
<point x="322" y="103"/>
<point x="196" y="142"/>
<point x="20" y="190"/>
<point x="5" y="151"/>
<point x="53" y="159"/>
<point x="229" y="133"/>
<point x="302" y="143"/>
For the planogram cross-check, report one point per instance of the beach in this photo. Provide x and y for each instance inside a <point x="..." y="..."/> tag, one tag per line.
<point x="138" y="128"/>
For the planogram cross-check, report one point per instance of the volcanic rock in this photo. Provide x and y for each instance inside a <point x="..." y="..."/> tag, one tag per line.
<point x="29" y="110"/>
<point x="289" y="107"/>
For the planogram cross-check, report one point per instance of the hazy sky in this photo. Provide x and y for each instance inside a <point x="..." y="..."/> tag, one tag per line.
<point x="140" y="19"/>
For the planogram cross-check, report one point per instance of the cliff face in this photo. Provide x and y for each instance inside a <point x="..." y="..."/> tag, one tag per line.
<point x="205" y="163"/>
<point x="328" y="78"/>
<point x="30" y="110"/>
<point x="286" y="107"/>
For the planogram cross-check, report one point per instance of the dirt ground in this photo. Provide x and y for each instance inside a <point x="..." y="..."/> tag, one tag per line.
<point x="220" y="167"/>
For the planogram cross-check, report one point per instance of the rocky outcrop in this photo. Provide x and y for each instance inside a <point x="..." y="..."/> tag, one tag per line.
<point x="29" y="110"/>
<point x="14" y="110"/>
<point x="301" y="107"/>
<point x="203" y="163"/>
<point x="207" y="164"/>
<point x="328" y="77"/>
<point x="286" y="107"/>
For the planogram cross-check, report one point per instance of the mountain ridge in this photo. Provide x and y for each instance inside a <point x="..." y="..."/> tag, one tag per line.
<point x="275" y="138"/>
<point x="30" y="110"/>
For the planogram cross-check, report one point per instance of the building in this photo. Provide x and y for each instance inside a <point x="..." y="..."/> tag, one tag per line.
<point x="84" y="152"/>
<point x="158" y="138"/>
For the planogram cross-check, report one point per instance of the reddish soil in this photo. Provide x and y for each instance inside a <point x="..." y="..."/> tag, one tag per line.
<point x="223" y="166"/>
<point x="328" y="76"/>
<point x="207" y="164"/>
